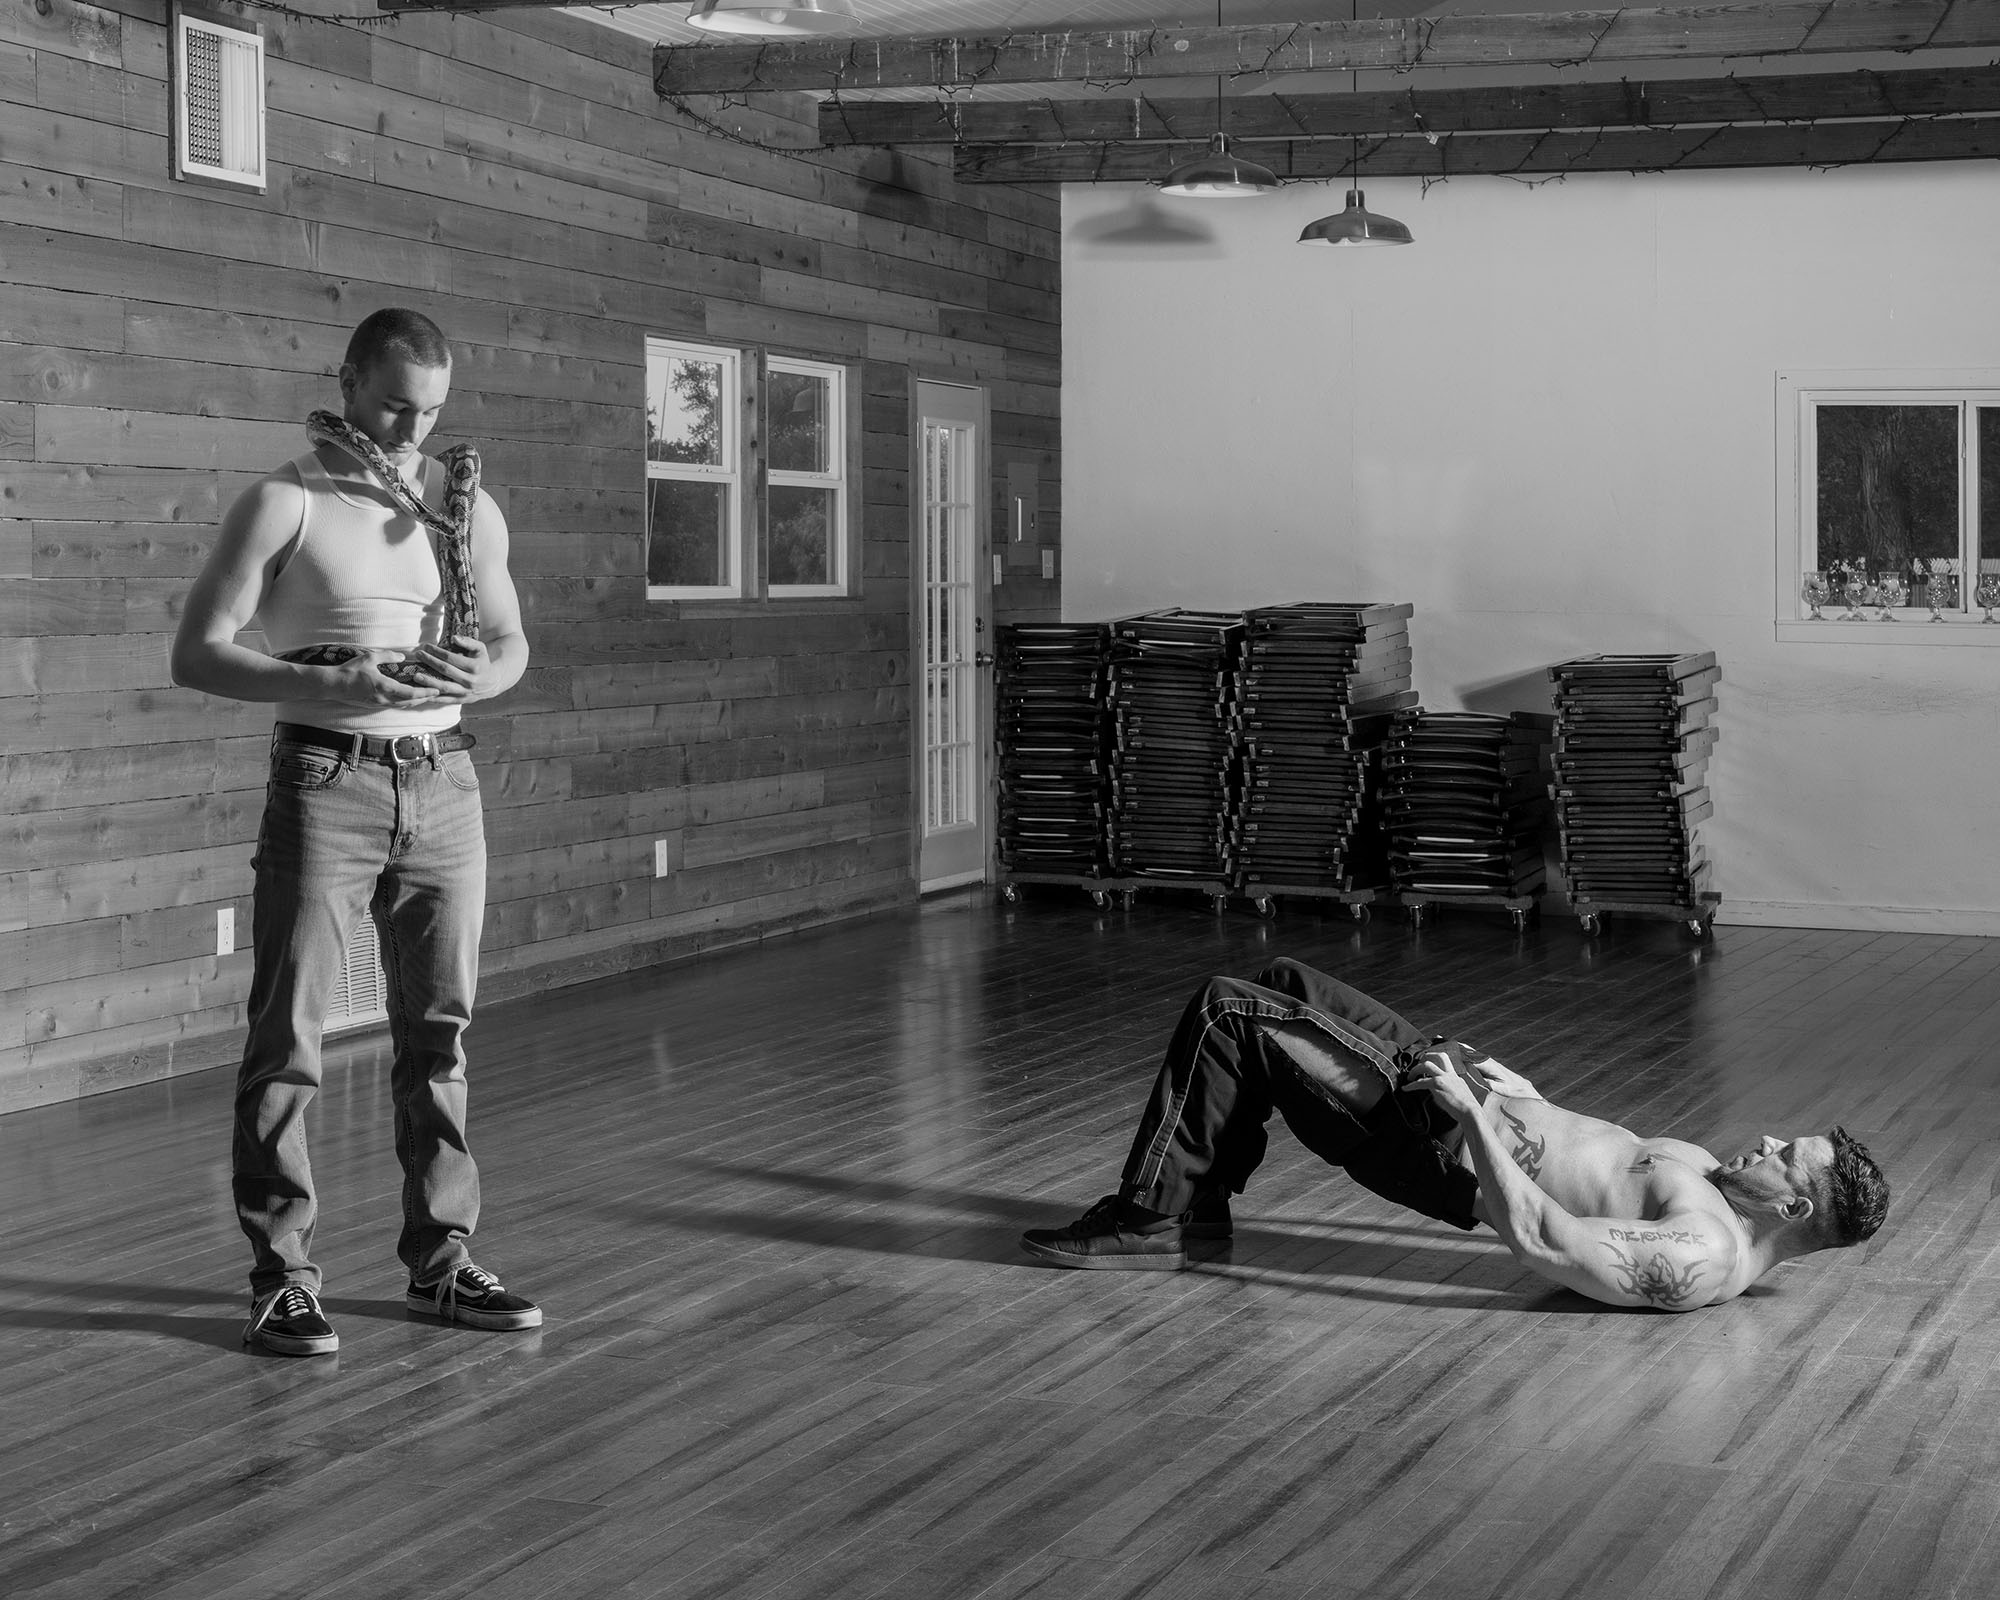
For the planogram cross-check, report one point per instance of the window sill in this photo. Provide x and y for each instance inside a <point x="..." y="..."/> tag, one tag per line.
<point x="1916" y="628"/>
<point x="743" y="606"/>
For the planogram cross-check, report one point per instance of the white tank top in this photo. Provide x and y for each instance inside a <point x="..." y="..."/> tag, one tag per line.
<point x="360" y="572"/>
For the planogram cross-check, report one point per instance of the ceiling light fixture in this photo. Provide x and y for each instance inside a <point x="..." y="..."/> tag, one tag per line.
<point x="1216" y="174"/>
<point x="772" y="19"/>
<point x="1355" y="224"/>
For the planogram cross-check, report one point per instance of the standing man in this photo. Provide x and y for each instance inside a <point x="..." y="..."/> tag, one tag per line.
<point x="372" y="807"/>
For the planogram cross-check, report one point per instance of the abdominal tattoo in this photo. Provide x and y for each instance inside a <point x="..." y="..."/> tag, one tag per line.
<point x="1656" y="1281"/>
<point x="1527" y="1153"/>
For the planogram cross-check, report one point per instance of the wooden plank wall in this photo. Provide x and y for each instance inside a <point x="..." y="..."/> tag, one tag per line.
<point x="514" y="176"/>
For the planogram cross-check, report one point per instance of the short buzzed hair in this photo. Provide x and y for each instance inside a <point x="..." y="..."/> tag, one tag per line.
<point x="396" y="331"/>
<point x="1851" y="1197"/>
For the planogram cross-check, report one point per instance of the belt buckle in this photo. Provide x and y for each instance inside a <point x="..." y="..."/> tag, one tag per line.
<point x="422" y="741"/>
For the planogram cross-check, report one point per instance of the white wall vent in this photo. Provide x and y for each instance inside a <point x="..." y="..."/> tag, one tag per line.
<point x="362" y="995"/>
<point x="218" y="102"/>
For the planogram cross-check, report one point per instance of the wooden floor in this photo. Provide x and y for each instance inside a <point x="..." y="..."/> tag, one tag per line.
<point x="770" y="1202"/>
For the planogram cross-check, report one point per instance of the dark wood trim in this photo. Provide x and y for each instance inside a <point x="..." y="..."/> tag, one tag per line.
<point x="1557" y="38"/>
<point x="1667" y="102"/>
<point x="1828" y="144"/>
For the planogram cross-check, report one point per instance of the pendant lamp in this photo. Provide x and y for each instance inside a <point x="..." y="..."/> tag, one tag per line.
<point x="1355" y="224"/>
<point x="1218" y="175"/>
<point x="772" y="19"/>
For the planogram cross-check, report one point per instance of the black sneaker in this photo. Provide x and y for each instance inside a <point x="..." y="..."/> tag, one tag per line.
<point x="1103" y="1240"/>
<point x="1209" y="1219"/>
<point x="473" y="1296"/>
<point x="290" y="1322"/>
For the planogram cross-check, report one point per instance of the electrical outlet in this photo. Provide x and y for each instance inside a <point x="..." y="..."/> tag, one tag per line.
<point x="225" y="931"/>
<point x="659" y="858"/>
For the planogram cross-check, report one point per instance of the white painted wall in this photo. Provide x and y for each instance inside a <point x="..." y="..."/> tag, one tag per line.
<point x="1549" y="424"/>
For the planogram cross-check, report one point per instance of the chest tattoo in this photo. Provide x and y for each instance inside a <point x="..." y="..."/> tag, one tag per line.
<point x="1528" y="1153"/>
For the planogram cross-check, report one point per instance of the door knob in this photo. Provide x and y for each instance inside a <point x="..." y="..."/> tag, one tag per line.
<point x="982" y="658"/>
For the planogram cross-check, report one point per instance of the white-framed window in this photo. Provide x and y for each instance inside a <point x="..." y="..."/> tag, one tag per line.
<point x="218" y="101"/>
<point x="694" y="472"/>
<point x="805" y="477"/>
<point x="1889" y="508"/>
<point x="751" y="460"/>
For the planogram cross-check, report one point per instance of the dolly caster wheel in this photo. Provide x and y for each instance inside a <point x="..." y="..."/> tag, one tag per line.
<point x="1266" y="906"/>
<point x="1591" y="923"/>
<point x="1010" y="893"/>
<point x="1100" y="899"/>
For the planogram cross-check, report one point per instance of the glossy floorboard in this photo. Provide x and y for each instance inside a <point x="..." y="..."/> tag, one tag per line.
<point x="770" y="1202"/>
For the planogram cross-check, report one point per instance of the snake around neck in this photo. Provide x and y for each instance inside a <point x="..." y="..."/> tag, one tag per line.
<point x="454" y="539"/>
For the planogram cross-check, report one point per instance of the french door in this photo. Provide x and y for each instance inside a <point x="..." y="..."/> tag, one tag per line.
<point x="951" y="639"/>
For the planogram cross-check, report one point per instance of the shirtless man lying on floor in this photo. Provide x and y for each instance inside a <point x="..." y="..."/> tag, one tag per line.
<point x="1445" y="1131"/>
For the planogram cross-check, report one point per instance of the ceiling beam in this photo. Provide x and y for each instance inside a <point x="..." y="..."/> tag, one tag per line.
<point x="1798" y="97"/>
<point x="1782" y="27"/>
<point x="463" y="5"/>
<point x="1829" y="144"/>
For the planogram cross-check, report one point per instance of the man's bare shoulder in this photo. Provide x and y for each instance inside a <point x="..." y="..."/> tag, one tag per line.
<point x="278" y="495"/>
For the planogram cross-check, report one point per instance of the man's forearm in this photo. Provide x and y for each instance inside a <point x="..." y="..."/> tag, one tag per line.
<point x="1513" y="1205"/>
<point x="507" y="659"/>
<point x="236" y="672"/>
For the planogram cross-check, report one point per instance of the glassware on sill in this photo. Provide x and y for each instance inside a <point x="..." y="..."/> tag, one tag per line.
<point x="1816" y="591"/>
<point x="1855" y="592"/>
<point x="1988" y="593"/>
<point x="1943" y="594"/>
<point x="1890" y="592"/>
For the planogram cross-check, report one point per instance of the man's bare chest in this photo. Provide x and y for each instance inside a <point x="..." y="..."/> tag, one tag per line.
<point x="1593" y="1168"/>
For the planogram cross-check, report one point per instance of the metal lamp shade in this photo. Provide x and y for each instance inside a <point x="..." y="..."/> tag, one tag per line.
<point x="1218" y="175"/>
<point x="1356" y="224"/>
<point x="772" y="19"/>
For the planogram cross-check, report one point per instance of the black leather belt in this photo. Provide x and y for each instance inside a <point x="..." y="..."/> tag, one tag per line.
<point x="363" y="747"/>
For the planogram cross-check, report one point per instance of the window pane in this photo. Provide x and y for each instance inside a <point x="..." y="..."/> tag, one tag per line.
<point x="801" y="534"/>
<point x="687" y="534"/>
<point x="1888" y="485"/>
<point x="1989" y="488"/>
<point x="798" y="422"/>
<point x="684" y="410"/>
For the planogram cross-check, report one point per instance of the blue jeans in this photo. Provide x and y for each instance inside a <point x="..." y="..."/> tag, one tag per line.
<point x="406" y="844"/>
<point x="1224" y="1074"/>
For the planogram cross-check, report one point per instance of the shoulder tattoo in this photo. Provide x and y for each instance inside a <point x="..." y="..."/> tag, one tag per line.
<point x="1527" y="1153"/>
<point x="1655" y="1281"/>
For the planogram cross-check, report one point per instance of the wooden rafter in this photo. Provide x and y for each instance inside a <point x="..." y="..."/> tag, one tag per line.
<point x="1826" y="144"/>
<point x="1783" y="27"/>
<point x="1667" y="102"/>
